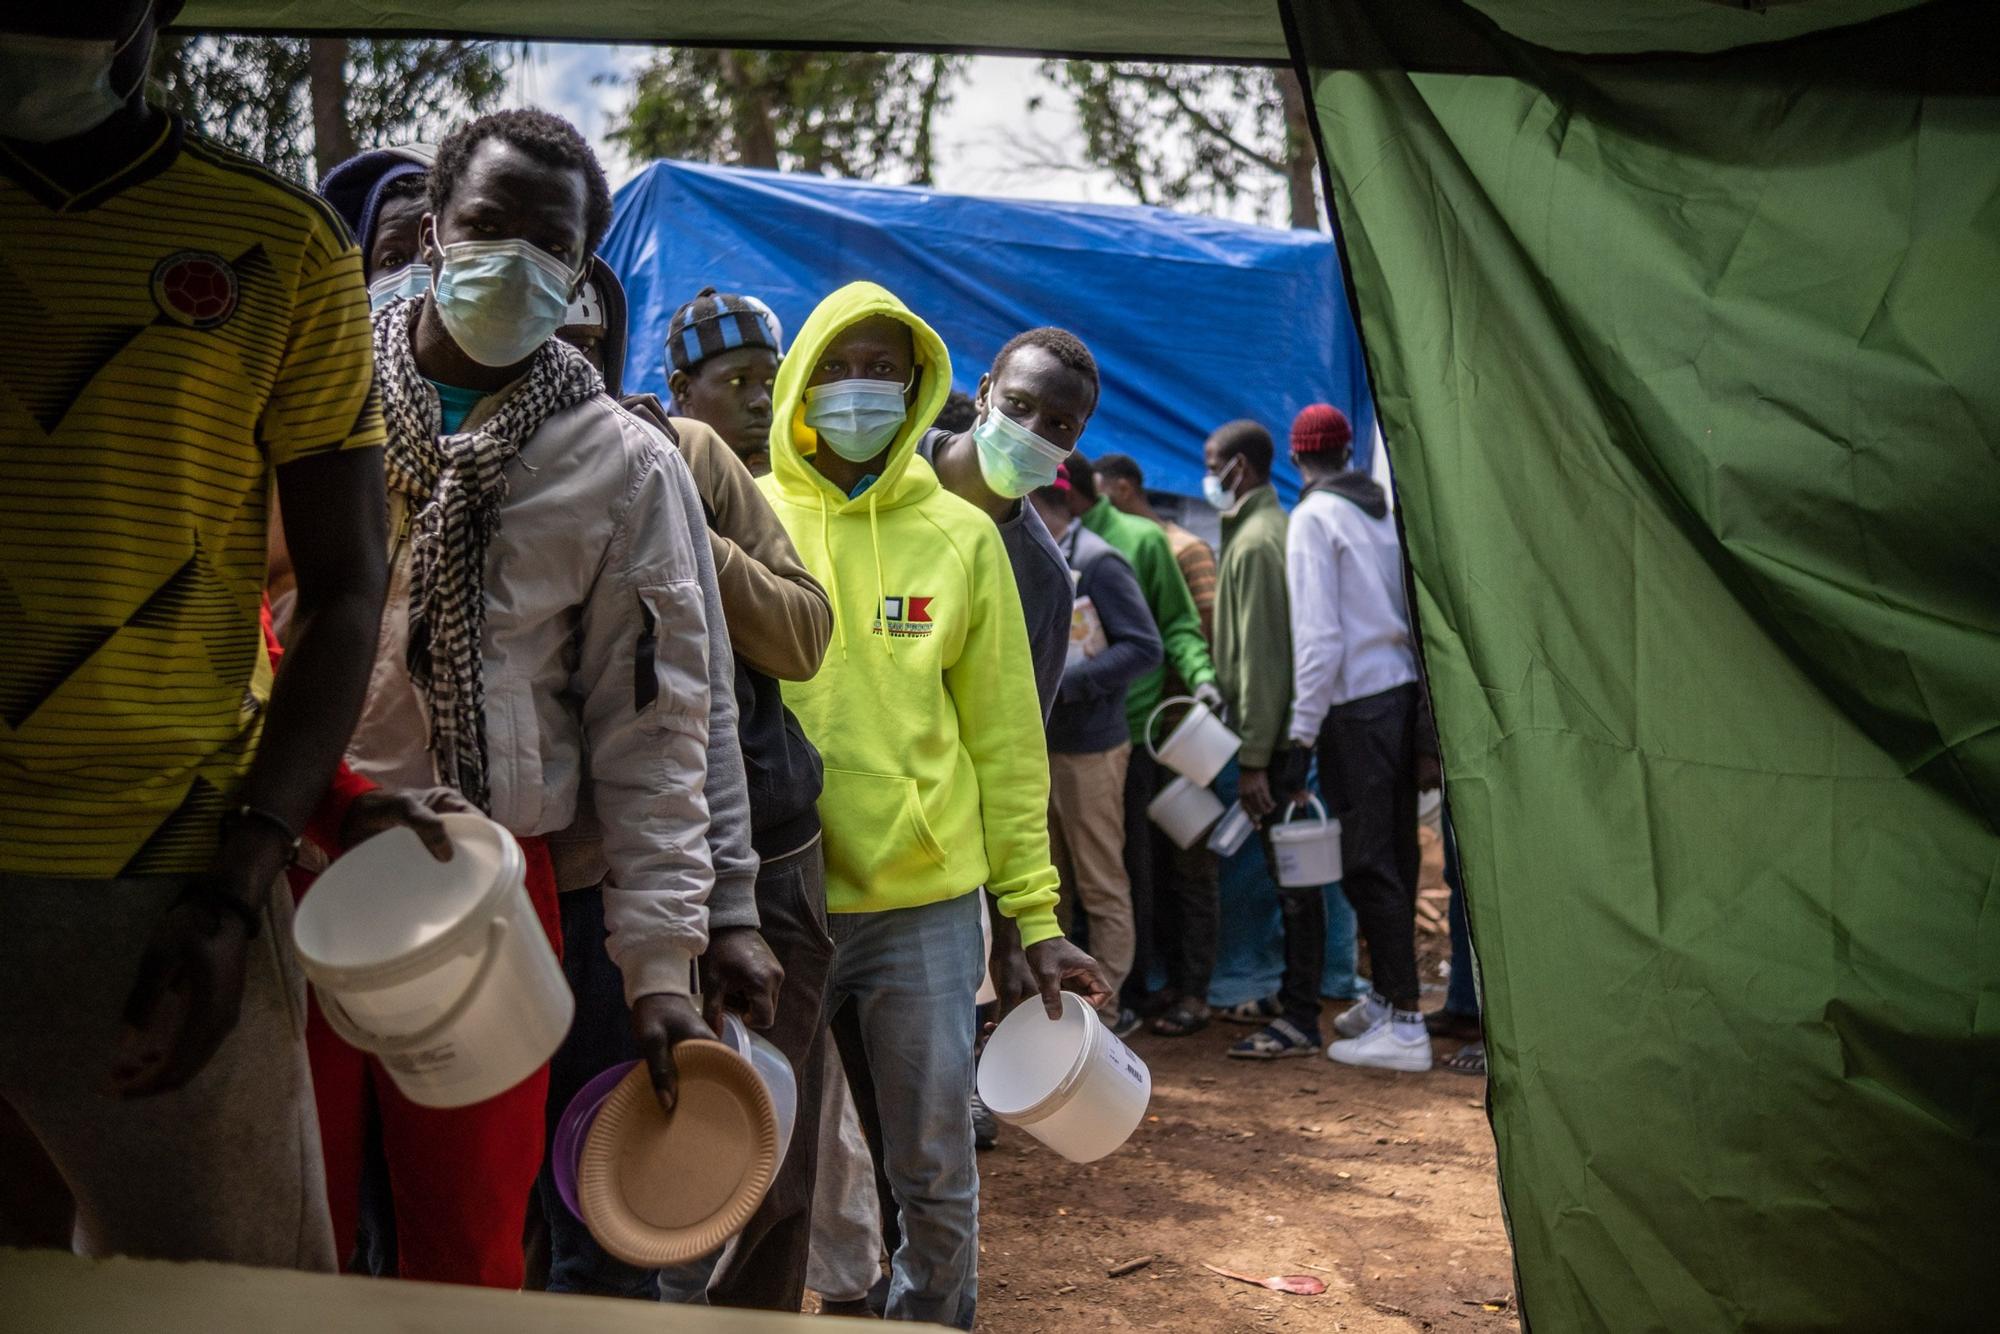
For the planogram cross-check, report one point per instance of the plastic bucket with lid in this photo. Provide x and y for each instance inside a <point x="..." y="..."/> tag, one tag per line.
<point x="1307" y="854"/>
<point x="1069" y="1082"/>
<point x="771" y="1067"/>
<point x="441" y="969"/>
<point x="1185" y="809"/>
<point x="1198" y="746"/>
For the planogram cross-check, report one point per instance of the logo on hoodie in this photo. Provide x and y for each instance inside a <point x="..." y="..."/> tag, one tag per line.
<point x="906" y="617"/>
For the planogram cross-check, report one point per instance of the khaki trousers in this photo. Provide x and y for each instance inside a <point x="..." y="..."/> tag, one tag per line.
<point x="227" y="1168"/>
<point x="1087" y="838"/>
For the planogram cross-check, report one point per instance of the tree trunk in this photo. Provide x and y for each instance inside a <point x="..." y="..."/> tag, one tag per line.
<point x="1301" y="160"/>
<point x="333" y="137"/>
<point x="923" y="153"/>
<point x="750" y="109"/>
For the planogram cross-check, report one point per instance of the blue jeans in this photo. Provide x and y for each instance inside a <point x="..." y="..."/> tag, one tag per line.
<point x="1461" y="992"/>
<point x="900" y="994"/>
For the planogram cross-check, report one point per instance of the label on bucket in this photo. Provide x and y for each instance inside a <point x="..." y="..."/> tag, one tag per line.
<point x="1125" y="1062"/>
<point x="441" y="1064"/>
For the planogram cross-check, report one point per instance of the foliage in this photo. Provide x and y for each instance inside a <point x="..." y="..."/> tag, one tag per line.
<point x="259" y="94"/>
<point x="1199" y="135"/>
<point x="863" y="115"/>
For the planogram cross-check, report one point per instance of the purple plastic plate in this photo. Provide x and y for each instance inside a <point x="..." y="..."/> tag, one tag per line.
<point x="574" y="1127"/>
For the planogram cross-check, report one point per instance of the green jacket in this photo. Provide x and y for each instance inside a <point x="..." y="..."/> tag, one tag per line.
<point x="1145" y="546"/>
<point x="1253" y="627"/>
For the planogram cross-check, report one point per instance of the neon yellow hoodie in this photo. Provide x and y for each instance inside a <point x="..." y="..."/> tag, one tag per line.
<point x="924" y="711"/>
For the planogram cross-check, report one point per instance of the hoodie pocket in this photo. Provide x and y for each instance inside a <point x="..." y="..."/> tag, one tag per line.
<point x="876" y="829"/>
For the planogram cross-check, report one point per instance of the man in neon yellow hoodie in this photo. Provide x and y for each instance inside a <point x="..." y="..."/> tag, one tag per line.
<point x="937" y="776"/>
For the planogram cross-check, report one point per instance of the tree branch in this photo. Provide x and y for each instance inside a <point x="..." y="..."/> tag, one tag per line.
<point x="1207" y="123"/>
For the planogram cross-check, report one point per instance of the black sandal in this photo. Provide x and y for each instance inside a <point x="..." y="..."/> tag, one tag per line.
<point x="1467" y="1060"/>
<point x="1183" y="1018"/>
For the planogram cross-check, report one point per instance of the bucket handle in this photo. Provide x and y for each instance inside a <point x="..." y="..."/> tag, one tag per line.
<point x="1297" y="806"/>
<point x="1160" y="708"/>
<point x="358" y="1037"/>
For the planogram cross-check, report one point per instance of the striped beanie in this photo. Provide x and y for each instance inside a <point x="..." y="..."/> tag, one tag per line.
<point x="717" y="322"/>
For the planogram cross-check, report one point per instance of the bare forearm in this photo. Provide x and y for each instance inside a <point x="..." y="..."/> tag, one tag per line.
<point x="314" y="704"/>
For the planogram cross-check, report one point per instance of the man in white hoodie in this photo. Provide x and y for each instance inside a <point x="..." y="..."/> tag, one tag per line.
<point x="1354" y="669"/>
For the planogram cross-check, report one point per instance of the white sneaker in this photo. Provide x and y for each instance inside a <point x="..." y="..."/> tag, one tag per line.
<point x="1355" y="1020"/>
<point x="1387" y="1046"/>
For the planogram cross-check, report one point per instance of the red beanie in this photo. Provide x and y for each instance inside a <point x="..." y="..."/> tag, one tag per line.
<point x="1321" y="428"/>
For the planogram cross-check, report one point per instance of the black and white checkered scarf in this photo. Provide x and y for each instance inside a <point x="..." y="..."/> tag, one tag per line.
<point x="455" y="485"/>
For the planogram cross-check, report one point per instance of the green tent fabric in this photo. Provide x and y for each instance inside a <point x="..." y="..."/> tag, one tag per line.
<point x="1690" y="371"/>
<point x="1684" y="323"/>
<point x="1168" y="29"/>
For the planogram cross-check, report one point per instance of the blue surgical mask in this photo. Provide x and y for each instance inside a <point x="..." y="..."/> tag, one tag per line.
<point x="410" y="280"/>
<point x="857" y="417"/>
<point x="500" y="300"/>
<point x="59" y="87"/>
<point x="1012" y="458"/>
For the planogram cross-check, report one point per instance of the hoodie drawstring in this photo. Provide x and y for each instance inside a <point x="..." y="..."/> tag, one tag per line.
<point x="833" y="576"/>
<point x="881" y="601"/>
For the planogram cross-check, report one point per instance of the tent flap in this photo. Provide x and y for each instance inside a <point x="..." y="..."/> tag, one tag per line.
<point x="1193" y="321"/>
<point x="1190" y="29"/>
<point x="1691" y="379"/>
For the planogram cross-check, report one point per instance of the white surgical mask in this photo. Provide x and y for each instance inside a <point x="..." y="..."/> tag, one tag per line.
<point x="1215" y="490"/>
<point x="410" y="280"/>
<point x="857" y="417"/>
<point x="500" y="300"/>
<point x="58" y="87"/>
<point x="1012" y="458"/>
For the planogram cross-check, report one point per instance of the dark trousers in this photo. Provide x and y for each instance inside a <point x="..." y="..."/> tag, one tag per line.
<point x="1367" y="773"/>
<point x="1141" y="775"/>
<point x="599" y="1037"/>
<point x="1187" y="906"/>
<point x="1303" y="914"/>
<point x="767" y="1266"/>
<point x="1176" y="894"/>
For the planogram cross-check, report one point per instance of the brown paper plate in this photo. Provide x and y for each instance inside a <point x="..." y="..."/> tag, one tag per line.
<point x="663" y="1190"/>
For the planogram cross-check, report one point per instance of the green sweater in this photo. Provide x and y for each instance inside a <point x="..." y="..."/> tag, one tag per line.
<point x="1145" y="546"/>
<point x="1253" y="630"/>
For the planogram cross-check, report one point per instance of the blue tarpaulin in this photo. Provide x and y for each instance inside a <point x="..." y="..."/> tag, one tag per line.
<point x="1194" y="321"/>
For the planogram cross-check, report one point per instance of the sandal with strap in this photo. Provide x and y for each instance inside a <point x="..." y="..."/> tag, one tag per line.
<point x="1184" y="1018"/>
<point x="1467" y="1060"/>
<point x="1277" y="1039"/>
<point x="1260" y="1011"/>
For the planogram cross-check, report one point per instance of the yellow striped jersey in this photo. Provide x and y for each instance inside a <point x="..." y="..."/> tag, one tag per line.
<point x="171" y="334"/>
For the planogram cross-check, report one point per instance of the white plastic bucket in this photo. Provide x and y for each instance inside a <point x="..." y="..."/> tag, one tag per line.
<point x="1069" y="1082"/>
<point x="441" y="969"/>
<point x="1307" y="854"/>
<point x="1185" y="810"/>
<point x="1198" y="746"/>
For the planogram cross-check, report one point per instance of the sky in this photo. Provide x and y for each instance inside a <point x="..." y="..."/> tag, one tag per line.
<point x="985" y="137"/>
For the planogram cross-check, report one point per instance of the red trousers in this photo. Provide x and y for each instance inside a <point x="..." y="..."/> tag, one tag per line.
<point x="460" y="1177"/>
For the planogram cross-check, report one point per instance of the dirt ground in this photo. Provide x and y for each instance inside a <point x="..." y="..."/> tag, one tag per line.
<point x="1380" y="1184"/>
